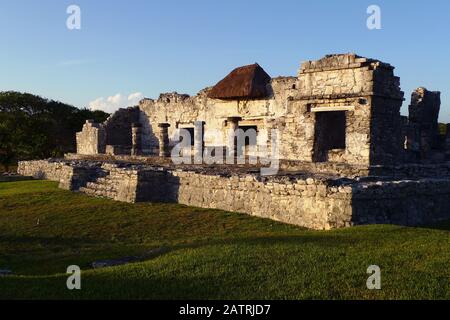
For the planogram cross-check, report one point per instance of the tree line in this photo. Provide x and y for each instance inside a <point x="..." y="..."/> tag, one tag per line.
<point x="32" y="127"/>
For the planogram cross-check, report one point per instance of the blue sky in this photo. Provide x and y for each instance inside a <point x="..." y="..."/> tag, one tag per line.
<point x="151" y="47"/>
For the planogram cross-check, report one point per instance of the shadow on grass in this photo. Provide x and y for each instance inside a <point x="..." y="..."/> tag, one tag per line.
<point x="445" y="225"/>
<point x="57" y="241"/>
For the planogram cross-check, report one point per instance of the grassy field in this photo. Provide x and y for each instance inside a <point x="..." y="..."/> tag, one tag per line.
<point x="210" y="254"/>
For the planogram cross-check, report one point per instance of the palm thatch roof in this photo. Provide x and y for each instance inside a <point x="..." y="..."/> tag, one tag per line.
<point x="247" y="82"/>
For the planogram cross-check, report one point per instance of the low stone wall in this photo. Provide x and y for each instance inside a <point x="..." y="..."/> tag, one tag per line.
<point x="315" y="202"/>
<point x="120" y="184"/>
<point x="404" y="202"/>
<point x="301" y="201"/>
<point x="71" y="175"/>
<point x="332" y="169"/>
<point x="308" y="202"/>
<point x="403" y="171"/>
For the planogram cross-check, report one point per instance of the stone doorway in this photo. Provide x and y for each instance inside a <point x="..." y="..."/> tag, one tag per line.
<point x="250" y="133"/>
<point x="191" y="134"/>
<point x="330" y="134"/>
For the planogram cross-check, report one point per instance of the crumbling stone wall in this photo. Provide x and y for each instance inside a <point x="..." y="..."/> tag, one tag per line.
<point x="365" y="92"/>
<point x="118" y="183"/>
<point x="114" y="136"/>
<point x="369" y="94"/>
<point x="181" y="111"/>
<point x="315" y="202"/>
<point x="118" y="126"/>
<point x="92" y="139"/>
<point x="71" y="175"/>
<point x="172" y="108"/>
<point x="423" y="131"/>
<point x="408" y="202"/>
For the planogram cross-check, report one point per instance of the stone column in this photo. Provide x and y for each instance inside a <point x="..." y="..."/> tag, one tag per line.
<point x="198" y="141"/>
<point x="164" y="139"/>
<point x="232" y="125"/>
<point x="136" y="138"/>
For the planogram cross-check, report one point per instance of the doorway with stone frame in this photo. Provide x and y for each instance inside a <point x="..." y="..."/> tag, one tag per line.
<point x="250" y="133"/>
<point x="329" y="134"/>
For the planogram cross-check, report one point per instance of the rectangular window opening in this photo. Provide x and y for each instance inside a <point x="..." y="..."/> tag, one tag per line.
<point x="330" y="134"/>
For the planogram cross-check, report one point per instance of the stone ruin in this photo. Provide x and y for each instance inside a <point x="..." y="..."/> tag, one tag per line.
<point x="346" y="156"/>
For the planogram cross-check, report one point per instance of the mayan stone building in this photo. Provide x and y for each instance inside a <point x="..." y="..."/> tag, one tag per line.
<point x="345" y="155"/>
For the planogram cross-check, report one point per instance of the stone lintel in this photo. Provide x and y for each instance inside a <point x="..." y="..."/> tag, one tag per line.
<point x="346" y="96"/>
<point x="163" y="125"/>
<point x="331" y="108"/>
<point x="234" y="119"/>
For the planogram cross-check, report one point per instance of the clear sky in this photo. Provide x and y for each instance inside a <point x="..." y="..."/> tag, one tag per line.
<point x="145" y="47"/>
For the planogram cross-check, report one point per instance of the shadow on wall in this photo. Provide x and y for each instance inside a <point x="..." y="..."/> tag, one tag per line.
<point x="118" y="126"/>
<point x="408" y="203"/>
<point x="157" y="186"/>
<point x="150" y="142"/>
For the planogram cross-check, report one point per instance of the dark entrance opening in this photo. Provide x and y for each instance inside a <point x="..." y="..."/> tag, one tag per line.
<point x="250" y="138"/>
<point x="191" y="133"/>
<point x="329" y="134"/>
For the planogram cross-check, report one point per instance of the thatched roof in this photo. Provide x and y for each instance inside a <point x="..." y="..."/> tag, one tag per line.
<point x="247" y="82"/>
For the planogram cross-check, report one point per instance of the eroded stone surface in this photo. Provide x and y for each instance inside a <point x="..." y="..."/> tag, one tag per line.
<point x="346" y="155"/>
<point x="310" y="200"/>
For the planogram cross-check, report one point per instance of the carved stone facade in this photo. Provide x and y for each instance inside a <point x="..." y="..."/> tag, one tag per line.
<point x="346" y="155"/>
<point x="341" y="108"/>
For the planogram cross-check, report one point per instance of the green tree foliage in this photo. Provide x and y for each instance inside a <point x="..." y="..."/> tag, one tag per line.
<point x="32" y="127"/>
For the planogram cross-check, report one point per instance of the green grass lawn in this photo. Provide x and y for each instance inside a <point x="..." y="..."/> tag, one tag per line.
<point x="211" y="254"/>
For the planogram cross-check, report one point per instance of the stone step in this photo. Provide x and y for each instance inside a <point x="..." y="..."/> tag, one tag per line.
<point x="106" y="184"/>
<point x="101" y="187"/>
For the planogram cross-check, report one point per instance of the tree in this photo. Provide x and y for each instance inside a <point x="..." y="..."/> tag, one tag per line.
<point x="33" y="127"/>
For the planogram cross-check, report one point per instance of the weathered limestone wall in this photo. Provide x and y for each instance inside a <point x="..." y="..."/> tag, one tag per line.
<point x="118" y="126"/>
<point x="71" y="175"/>
<point x="369" y="94"/>
<point x="316" y="203"/>
<point x="92" y="139"/>
<point x="309" y="202"/>
<point x="114" y="136"/>
<point x="304" y="202"/>
<point x="341" y="108"/>
<point x="344" y="83"/>
<point x="423" y="132"/>
<point x="299" y="128"/>
<point x="335" y="169"/>
<point x="408" y="202"/>
<point x="181" y="111"/>
<point x="117" y="183"/>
